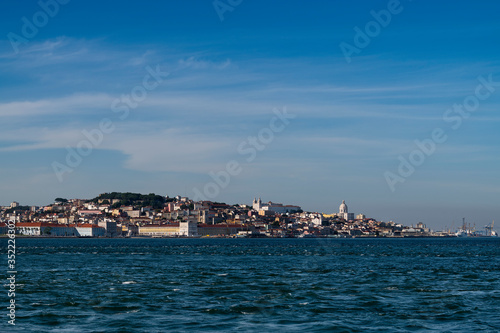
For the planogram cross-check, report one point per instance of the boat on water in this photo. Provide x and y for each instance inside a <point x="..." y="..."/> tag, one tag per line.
<point x="469" y="232"/>
<point x="462" y="233"/>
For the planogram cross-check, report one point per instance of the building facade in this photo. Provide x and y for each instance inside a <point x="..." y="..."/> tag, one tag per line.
<point x="110" y="227"/>
<point x="274" y="207"/>
<point x="188" y="228"/>
<point x="159" y="230"/>
<point x="90" y="230"/>
<point x="344" y="212"/>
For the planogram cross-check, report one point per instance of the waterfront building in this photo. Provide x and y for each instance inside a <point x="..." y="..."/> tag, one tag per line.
<point x="90" y="230"/>
<point x="44" y="229"/>
<point x="188" y="228"/>
<point x="422" y="227"/>
<point x="159" y="229"/>
<point x="219" y="229"/>
<point x="3" y="228"/>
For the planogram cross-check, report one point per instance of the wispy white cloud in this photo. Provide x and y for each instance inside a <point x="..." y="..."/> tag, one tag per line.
<point x="193" y="122"/>
<point x="196" y="63"/>
<point x="55" y="106"/>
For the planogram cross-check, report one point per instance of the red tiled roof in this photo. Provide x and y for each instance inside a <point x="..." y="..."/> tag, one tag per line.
<point x="88" y="225"/>
<point x="220" y="225"/>
<point x="160" y="225"/>
<point x="40" y="224"/>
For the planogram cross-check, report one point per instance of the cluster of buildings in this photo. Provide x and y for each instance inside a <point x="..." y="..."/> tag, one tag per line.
<point x="182" y="217"/>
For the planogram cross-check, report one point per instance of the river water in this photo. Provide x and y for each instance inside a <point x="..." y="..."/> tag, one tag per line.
<point x="255" y="285"/>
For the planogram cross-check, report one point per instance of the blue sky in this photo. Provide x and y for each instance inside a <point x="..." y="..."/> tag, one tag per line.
<point x="352" y="119"/>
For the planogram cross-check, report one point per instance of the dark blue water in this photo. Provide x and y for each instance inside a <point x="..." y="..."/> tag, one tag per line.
<point x="263" y="285"/>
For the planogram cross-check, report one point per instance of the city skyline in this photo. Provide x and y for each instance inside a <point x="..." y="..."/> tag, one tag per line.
<point x="208" y="87"/>
<point x="341" y="209"/>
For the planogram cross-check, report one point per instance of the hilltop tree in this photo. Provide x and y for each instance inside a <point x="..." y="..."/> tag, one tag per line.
<point x="134" y="199"/>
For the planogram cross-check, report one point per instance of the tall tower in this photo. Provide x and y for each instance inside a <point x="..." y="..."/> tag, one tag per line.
<point x="257" y="205"/>
<point x="343" y="208"/>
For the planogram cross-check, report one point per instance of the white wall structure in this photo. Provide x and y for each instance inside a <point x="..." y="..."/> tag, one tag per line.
<point x="257" y="204"/>
<point x="344" y="212"/>
<point x="275" y="207"/>
<point x="188" y="228"/>
<point x="90" y="230"/>
<point x="316" y="219"/>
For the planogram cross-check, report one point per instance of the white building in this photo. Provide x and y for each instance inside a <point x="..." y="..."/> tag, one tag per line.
<point x="257" y="204"/>
<point x="275" y="207"/>
<point x="44" y="229"/>
<point x="29" y="229"/>
<point x="90" y="230"/>
<point x="188" y="228"/>
<point x="344" y="212"/>
<point x="133" y="213"/>
<point x="316" y="219"/>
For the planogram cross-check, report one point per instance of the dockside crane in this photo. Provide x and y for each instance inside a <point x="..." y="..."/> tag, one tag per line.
<point x="489" y="229"/>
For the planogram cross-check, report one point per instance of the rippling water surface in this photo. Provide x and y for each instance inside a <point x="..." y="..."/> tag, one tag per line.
<point x="246" y="285"/>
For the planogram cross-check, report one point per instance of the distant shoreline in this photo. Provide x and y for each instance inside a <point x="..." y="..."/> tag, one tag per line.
<point x="215" y="237"/>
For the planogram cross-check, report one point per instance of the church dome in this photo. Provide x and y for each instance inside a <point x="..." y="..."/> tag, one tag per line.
<point x="343" y="208"/>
